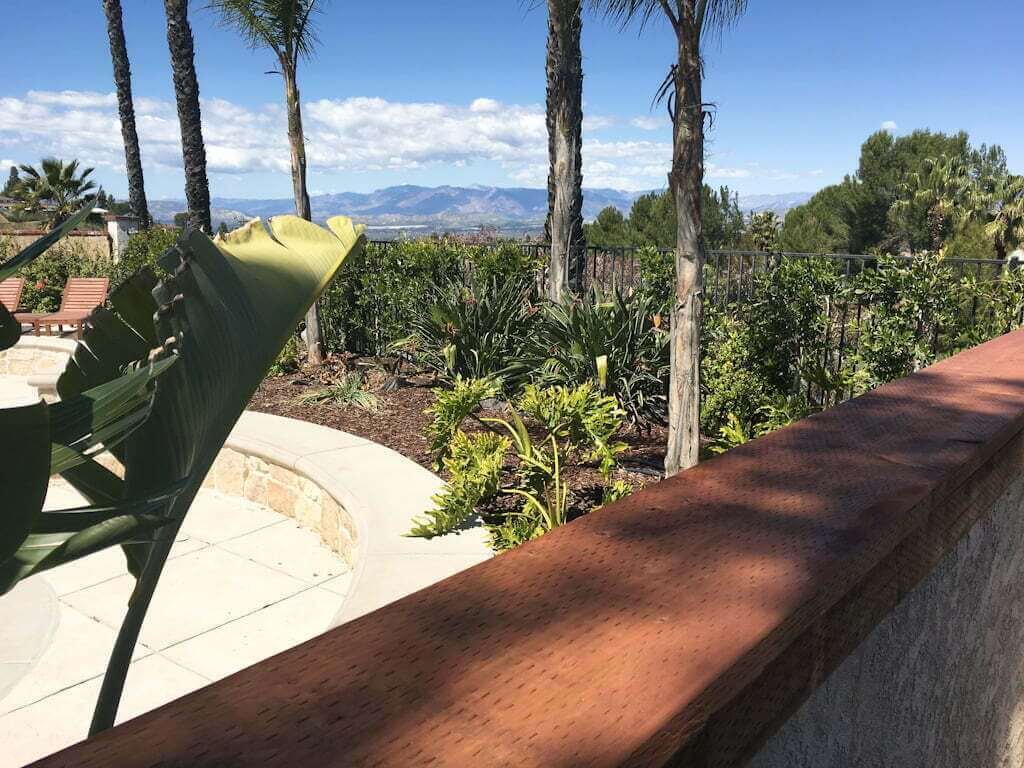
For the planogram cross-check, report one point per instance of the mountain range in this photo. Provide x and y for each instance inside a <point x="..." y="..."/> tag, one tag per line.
<point x="446" y="208"/>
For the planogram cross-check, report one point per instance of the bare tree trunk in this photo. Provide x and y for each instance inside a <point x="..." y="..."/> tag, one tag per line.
<point x="565" y="137"/>
<point x="186" y="93"/>
<point x="126" y="109"/>
<point x="685" y="180"/>
<point x="297" y="142"/>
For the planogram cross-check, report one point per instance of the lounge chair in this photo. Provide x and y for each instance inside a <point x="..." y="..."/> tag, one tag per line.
<point x="81" y="296"/>
<point x="10" y="293"/>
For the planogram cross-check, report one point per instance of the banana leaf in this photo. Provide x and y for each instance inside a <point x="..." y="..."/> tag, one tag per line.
<point x="226" y="310"/>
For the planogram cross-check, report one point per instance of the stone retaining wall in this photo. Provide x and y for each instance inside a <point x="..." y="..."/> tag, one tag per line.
<point x="288" y="493"/>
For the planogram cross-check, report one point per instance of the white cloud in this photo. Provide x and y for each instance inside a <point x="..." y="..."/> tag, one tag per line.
<point x="484" y="105"/>
<point x="890" y="126"/>
<point x="648" y="123"/>
<point x="358" y="134"/>
<point x="713" y="171"/>
<point x="80" y="99"/>
<point x="342" y="135"/>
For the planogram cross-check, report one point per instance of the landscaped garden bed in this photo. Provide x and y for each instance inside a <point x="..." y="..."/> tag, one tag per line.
<point x="398" y="419"/>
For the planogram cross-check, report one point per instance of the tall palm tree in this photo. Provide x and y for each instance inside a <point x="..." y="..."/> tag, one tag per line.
<point x="126" y="109"/>
<point x="55" y="189"/>
<point x="565" y="137"/>
<point x="692" y="21"/>
<point x="944" y="190"/>
<point x="186" y="93"/>
<point x="1006" y="227"/>
<point x="286" y="28"/>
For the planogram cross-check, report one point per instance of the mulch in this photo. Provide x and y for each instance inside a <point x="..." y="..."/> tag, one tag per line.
<point x="400" y="422"/>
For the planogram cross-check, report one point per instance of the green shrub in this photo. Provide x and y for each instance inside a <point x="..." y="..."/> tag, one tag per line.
<point x="914" y="312"/>
<point x="142" y="250"/>
<point x="372" y="302"/>
<point x="450" y="409"/>
<point x="46" y="277"/>
<point x="613" y="344"/>
<point x="476" y="330"/>
<point x="581" y="418"/>
<point x="474" y="464"/>
<point x="290" y="359"/>
<point x="574" y="421"/>
<point x="657" y="270"/>
<point x="505" y="260"/>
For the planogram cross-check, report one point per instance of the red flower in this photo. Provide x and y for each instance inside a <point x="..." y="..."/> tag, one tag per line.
<point x="40" y="284"/>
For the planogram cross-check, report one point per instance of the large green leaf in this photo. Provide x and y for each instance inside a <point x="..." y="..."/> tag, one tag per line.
<point x="24" y="472"/>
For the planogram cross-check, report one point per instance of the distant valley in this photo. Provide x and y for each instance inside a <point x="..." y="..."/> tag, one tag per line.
<point x="410" y="209"/>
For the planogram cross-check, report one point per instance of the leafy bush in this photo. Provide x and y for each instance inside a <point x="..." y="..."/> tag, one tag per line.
<point x="613" y="344"/>
<point x="476" y="330"/>
<point x="913" y="310"/>
<point x="573" y="420"/>
<point x="450" y="409"/>
<point x="46" y="277"/>
<point x="290" y="359"/>
<point x="474" y="464"/>
<point x="142" y="250"/>
<point x="504" y="260"/>
<point x="372" y="301"/>
<point x="581" y="418"/>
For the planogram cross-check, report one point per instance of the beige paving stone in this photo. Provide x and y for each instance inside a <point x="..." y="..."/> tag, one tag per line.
<point x="63" y="719"/>
<point x="79" y="651"/>
<point x="216" y="517"/>
<point x="288" y="548"/>
<point x="339" y="585"/>
<point x="244" y="642"/>
<point x="197" y="592"/>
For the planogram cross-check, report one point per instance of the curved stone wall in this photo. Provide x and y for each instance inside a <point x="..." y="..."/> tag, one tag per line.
<point x="289" y="493"/>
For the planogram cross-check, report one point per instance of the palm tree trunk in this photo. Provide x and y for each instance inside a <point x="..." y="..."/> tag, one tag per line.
<point x="126" y="109"/>
<point x="186" y="93"/>
<point x="565" y="136"/>
<point x="685" y="181"/>
<point x="297" y="141"/>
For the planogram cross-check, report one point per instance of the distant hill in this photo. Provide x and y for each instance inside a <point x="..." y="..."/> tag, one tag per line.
<point x="432" y="209"/>
<point x="777" y="203"/>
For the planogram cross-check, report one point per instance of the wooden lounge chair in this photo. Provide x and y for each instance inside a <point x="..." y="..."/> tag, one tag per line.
<point x="81" y="296"/>
<point x="10" y="293"/>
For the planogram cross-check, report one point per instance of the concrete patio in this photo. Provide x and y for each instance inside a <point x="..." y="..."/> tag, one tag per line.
<point x="242" y="584"/>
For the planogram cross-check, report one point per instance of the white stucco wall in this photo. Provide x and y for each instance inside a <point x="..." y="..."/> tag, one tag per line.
<point x="940" y="682"/>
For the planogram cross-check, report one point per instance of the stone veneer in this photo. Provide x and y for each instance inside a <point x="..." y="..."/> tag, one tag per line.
<point x="288" y="493"/>
<point x="28" y="358"/>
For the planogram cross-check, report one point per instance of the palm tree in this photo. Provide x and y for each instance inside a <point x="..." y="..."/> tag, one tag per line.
<point x="286" y="28"/>
<point x="1007" y="225"/>
<point x="944" y="190"/>
<point x="691" y="20"/>
<point x="186" y="93"/>
<point x="55" y="189"/>
<point x="126" y="109"/>
<point x="565" y="135"/>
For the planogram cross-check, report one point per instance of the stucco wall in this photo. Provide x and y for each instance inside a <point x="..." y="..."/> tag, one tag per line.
<point x="940" y="682"/>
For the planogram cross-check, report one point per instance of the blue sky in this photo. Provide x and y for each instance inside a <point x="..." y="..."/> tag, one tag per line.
<point x="452" y="91"/>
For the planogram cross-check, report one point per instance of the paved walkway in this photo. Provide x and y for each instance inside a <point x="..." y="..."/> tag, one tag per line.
<point x="242" y="584"/>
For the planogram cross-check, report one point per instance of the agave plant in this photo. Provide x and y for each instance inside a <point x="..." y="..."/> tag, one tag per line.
<point x="475" y="329"/>
<point x="221" y="318"/>
<point x="614" y="343"/>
